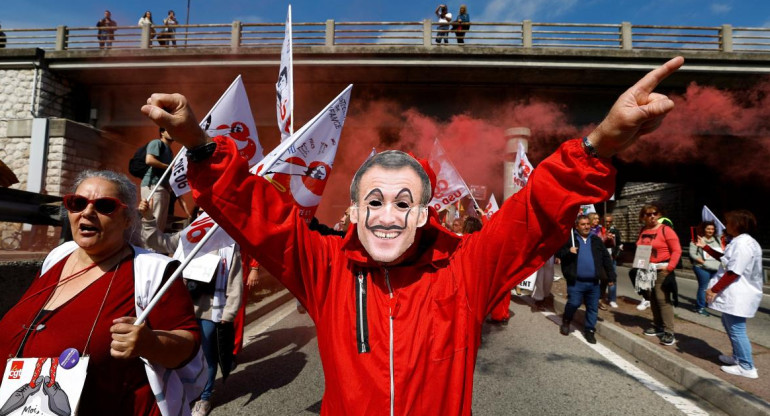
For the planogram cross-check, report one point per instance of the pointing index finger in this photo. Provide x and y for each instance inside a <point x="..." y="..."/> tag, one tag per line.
<point x="650" y="81"/>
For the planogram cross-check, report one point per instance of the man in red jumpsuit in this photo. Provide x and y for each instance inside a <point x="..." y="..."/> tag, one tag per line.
<point x="399" y="301"/>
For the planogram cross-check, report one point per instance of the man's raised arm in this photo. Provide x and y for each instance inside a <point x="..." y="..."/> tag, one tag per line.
<point x="534" y="223"/>
<point x="637" y="111"/>
<point x="246" y="206"/>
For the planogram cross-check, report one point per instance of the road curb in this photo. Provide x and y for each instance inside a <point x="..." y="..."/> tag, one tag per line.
<point x="725" y="396"/>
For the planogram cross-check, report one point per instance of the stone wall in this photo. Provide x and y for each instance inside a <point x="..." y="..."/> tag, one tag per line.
<point x="674" y="199"/>
<point x="28" y="93"/>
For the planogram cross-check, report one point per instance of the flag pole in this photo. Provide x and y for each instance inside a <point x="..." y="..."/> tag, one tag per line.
<point x="166" y="173"/>
<point x="177" y="273"/>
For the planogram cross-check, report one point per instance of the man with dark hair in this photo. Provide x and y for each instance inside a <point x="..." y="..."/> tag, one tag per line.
<point x="159" y="156"/>
<point x="2" y="39"/>
<point x="582" y="259"/>
<point x="399" y="301"/>
<point x="106" y="30"/>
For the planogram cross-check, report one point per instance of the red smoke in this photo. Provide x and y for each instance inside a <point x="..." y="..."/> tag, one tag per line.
<point x="724" y="131"/>
<point x="474" y="144"/>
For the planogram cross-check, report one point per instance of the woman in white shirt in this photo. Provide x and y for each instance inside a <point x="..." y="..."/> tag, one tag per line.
<point x="736" y="289"/>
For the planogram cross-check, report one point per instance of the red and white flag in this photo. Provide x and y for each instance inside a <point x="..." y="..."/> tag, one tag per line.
<point x="194" y="233"/>
<point x="284" y="88"/>
<point x="301" y="165"/>
<point x="491" y="207"/>
<point x="231" y="116"/>
<point x="521" y="168"/>
<point x="450" y="187"/>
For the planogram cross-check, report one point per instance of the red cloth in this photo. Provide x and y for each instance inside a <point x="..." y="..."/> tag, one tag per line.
<point x="113" y="386"/>
<point x="713" y="253"/>
<point x="725" y="281"/>
<point x="665" y="245"/>
<point x="240" y="317"/>
<point x="501" y="310"/>
<point x="441" y="294"/>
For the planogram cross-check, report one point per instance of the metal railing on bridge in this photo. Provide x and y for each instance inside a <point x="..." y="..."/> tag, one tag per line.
<point x="525" y="34"/>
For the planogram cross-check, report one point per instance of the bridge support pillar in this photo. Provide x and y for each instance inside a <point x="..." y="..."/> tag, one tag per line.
<point x="427" y="39"/>
<point x="329" y="41"/>
<point x="61" y="38"/>
<point x="726" y="38"/>
<point x="146" y="40"/>
<point x="235" y="36"/>
<point x="626" y="40"/>
<point x="526" y="33"/>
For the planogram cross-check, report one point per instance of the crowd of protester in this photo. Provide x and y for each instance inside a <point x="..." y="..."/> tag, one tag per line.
<point x="92" y="288"/>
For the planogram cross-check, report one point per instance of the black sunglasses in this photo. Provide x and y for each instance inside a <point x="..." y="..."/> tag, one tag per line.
<point x="105" y="205"/>
<point x="650" y="214"/>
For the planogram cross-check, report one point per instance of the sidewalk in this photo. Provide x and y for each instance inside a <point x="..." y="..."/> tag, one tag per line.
<point x="691" y="362"/>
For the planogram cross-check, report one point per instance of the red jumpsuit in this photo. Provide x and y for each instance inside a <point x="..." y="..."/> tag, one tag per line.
<point x="401" y="340"/>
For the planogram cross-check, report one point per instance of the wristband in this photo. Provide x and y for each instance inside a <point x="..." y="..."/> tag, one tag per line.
<point x="589" y="148"/>
<point x="202" y="152"/>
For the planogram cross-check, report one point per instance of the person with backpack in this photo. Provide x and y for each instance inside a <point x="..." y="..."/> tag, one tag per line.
<point x="158" y="157"/>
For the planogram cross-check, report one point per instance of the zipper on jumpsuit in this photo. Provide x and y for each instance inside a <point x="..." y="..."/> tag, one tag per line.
<point x="362" y="324"/>
<point x="390" y="321"/>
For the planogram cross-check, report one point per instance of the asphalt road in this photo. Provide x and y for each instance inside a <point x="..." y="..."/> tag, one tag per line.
<point x="525" y="368"/>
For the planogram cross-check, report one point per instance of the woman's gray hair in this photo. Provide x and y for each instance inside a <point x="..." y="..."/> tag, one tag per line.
<point x="127" y="193"/>
<point x="392" y="160"/>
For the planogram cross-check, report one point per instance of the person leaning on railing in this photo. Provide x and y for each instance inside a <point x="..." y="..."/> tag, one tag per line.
<point x="462" y="24"/>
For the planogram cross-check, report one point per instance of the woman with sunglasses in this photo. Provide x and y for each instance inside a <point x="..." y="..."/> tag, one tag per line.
<point x="664" y="257"/>
<point x="84" y="298"/>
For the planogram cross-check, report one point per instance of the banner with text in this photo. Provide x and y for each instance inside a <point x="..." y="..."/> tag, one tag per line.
<point x="301" y="165"/>
<point x="231" y="116"/>
<point x="284" y="88"/>
<point x="450" y="187"/>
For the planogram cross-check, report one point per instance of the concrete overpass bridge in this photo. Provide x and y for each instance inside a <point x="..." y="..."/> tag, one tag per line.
<point x="63" y="75"/>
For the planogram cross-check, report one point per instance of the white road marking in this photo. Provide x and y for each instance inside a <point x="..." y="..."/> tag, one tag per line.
<point x="272" y="318"/>
<point x="684" y="405"/>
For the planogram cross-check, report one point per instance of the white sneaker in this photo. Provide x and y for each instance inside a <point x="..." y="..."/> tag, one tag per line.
<point x="727" y="359"/>
<point x="643" y="305"/>
<point x="613" y="304"/>
<point x="556" y="278"/>
<point x="201" y="408"/>
<point x="740" y="371"/>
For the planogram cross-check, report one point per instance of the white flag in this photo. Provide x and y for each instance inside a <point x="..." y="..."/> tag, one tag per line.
<point x="302" y="164"/>
<point x="195" y="232"/>
<point x="707" y="215"/>
<point x="521" y="167"/>
<point x="587" y="209"/>
<point x="231" y="116"/>
<point x="450" y="187"/>
<point x="491" y="207"/>
<point x="284" y="88"/>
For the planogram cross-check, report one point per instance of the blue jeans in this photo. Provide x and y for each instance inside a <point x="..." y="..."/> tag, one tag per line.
<point x="736" y="331"/>
<point x="703" y="276"/>
<point x="578" y="293"/>
<point x="209" y="344"/>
